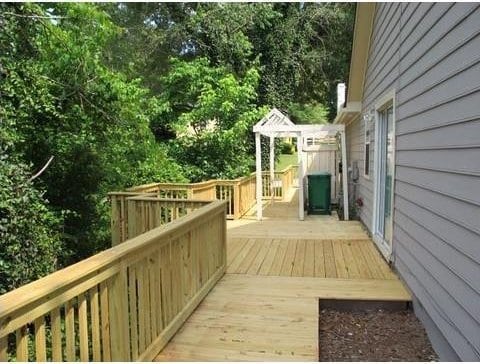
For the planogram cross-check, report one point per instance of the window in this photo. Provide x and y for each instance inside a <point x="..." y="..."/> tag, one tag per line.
<point x="366" y="171"/>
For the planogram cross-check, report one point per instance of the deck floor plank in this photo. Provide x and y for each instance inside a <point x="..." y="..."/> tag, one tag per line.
<point x="309" y="267"/>
<point x="350" y="262"/>
<point x="373" y="265"/>
<point x="340" y="264"/>
<point x="330" y="268"/>
<point x="362" y="264"/>
<point x="375" y="254"/>
<point x="266" y="318"/>
<point x="307" y="258"/>
<point x="319" y="259"/>
<point x="234" y="247"/>
<point x="249" y="258"/>
<point x="270" y="258"/>
<point x="260" y="258"/>
<point x="277" y="264"/>
<point x="289" y="259"/>
<point x="241" y="255"/>
<point x="299" y="261"/>
<point x="271" y="313"/>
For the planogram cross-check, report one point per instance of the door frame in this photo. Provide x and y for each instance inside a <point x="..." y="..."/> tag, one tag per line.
<point x="384" y="102"/>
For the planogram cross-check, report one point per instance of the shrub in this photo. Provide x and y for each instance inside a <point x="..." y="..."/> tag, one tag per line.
<point x="29" y="232"/>
<point x="287" y="148"/>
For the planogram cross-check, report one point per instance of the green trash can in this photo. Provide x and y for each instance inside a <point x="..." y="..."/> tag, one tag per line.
<point x="319" y="193"/>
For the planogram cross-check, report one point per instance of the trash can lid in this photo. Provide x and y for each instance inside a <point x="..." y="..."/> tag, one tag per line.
<point x="319" y="174"/>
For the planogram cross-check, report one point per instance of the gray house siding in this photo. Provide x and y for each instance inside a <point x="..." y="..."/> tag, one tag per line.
<point x="430" y="55"/>
<point x="363" y="187"/>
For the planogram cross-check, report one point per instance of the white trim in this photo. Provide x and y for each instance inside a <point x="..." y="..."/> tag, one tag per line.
<point x="258" y="172"/>
<point x="346" y="211"/>
<point x="365" y="125"/>
<point x="277" y="125"/>
<point x="301" y="210"/>
<point x="346" y="114"/>
<point x="272" y="167"/>
<point x="384" y="102"/>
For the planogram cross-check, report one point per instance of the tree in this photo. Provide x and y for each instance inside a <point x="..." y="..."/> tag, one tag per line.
<point x="313" y="113"/>
<point x="150" y="33"/>
<point x="122" y="94"/>
<point x="30" y="242"/>
<point x="212" y="112"/>
<point x="304" y="53"/>
<point x="63" y="101"/>
<point x="301" y="49"/>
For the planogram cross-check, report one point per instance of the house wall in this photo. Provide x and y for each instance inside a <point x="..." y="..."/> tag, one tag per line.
<point x="363" y="187"/>
<point x="429" y="54"/>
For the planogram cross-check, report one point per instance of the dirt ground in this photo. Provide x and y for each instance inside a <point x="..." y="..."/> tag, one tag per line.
<point x="373" y="335"/>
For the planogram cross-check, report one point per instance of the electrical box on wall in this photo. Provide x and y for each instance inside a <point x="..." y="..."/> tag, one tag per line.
<point x="354" y="171"/>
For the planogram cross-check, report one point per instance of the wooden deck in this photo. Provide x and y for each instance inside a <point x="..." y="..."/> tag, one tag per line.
<point x="266" y="307"/>
<point x="356" y="259"/>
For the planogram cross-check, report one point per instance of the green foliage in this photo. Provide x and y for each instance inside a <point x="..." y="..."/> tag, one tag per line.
<point x="313" y="113"/>
<point x="301" y="50"/>
<point x="122" y="94"/>
<point x="212" y="112"/>
<point x="149" y="34"/>
<point x="221" y="32"/>
<point x="30" y="243"/>
<point x="304" y="53"/>
<point x="287" y="148"/>
<point x="61" y="100"/>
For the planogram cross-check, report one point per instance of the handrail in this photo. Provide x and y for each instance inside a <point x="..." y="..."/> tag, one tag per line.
<point x="133" y="213"/>
<point x="122" y="304"/>
<point x="239" y="193"/>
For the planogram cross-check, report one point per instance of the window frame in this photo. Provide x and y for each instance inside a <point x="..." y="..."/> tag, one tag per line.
<point x="385" y="102"/>
<point x="367" y="127"/>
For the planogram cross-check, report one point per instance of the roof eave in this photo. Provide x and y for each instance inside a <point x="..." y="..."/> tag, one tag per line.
<point x="348" y="113"/>
<point x="364" y="18"/>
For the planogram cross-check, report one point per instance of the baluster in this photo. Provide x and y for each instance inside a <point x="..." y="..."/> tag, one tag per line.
<point x="56" y="319"/>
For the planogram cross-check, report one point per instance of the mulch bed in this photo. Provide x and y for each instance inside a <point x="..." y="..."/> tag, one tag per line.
<point x="373" y="335"/>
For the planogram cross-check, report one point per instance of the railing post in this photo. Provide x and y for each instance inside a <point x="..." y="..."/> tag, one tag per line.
<point x="284" y="184"/>
<point x="224" y="241"/>
<point x="213" y="191"/>
<point x="131" y="219"/>
<point x="119" y="319"/>
<point x="115" y="220"/>
<point x="236" y="201"/>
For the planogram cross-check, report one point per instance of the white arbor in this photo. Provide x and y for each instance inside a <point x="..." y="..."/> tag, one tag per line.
<point x="277" y="125"/>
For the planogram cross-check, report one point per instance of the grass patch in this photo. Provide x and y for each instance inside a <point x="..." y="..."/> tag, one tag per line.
<point x="285" y="160"/>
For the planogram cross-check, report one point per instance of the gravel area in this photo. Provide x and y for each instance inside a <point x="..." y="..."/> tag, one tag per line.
<point x="373" y="335"/>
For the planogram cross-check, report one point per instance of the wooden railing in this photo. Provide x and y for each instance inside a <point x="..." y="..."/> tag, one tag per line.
<point x="289" y="177"/>
<point x="275" y="187"/>
<point x="283" y="181"/>
<point x="239" y="193"/>
<point x="244" y="195"/>
<point x="204" y="191"/>
<point x="122" y="304"/>
<point x="133" y="214"/>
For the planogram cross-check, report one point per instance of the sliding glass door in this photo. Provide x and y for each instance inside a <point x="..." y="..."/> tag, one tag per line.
<point x="384" y="178"/>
